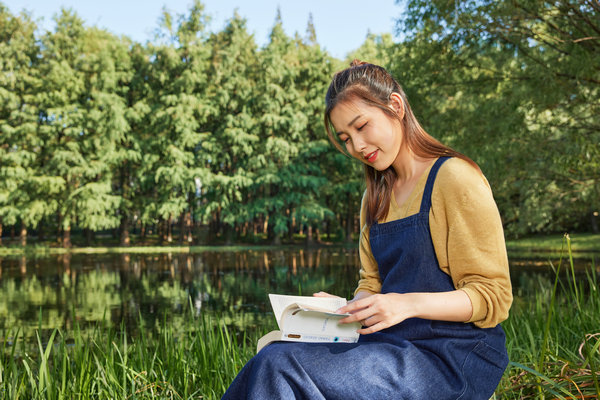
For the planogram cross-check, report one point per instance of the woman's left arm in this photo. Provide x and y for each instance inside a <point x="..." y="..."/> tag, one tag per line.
<point x="468" y="238"/>
<point x="380" y="311"/>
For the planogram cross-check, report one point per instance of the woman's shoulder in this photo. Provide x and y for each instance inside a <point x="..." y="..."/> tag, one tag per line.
<point x="459" y="182"/>
<point x="456" y="173"/>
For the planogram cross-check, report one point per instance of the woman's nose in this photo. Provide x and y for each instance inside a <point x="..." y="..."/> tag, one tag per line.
<point x="359" y="145"/>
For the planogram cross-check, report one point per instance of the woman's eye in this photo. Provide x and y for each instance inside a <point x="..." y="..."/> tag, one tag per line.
<point x="362" y="126"/>
<point x="346" y="141"/>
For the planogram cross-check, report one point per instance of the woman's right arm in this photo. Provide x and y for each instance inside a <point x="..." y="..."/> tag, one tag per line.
<point x="369" y="280"/>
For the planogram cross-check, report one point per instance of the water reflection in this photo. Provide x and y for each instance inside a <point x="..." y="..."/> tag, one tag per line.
<point x="55" y="291"/>
<point x="59" y="291"/>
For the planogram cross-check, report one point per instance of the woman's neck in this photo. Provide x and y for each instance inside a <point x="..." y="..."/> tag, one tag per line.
<point x="409" y="170"/>
<point x="408" y="166"/>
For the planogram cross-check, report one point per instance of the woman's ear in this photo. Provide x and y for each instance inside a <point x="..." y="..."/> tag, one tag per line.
<point x="397" y="104"/>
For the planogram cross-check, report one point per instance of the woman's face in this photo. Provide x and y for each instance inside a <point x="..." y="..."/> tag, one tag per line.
<point x="367" y="132"/>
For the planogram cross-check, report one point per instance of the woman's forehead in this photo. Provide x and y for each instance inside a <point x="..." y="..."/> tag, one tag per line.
<point x="348" y="110"/>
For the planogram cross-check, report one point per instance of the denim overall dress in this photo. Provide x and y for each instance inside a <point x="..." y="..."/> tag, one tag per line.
<point x="415" y="359"/>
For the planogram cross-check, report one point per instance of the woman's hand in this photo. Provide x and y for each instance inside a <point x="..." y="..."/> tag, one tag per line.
<point x="380" y="311"/>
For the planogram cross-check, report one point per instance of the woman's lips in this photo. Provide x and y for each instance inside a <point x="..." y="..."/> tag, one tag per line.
<point x="372" y="156"/>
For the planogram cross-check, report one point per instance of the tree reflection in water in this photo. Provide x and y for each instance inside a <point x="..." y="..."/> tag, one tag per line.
<point x="130" y="289"/>
<point x="126" y="290"/>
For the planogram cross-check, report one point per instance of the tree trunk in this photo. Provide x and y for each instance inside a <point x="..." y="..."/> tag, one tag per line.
<point x="125" y="223"/>
<point x="182" y="230"/>
<point x="23" y="234"/>
<point x="309" y="235"/>
<point x="228" y="232"/>
<point x="41" y="232"/>
<point x="190" y="220"/>
<point x="272" y="236"/>
<point x="291" y="224"/>
<point x="124" y="231"/>
<point x="66" y="241"/>
<point x="89" y="237"/>
<point x="59" y="228"/>
<point x="169" y="229"/>
<point x="266" y="225"/>
<point x="0" y="232"/>
<point x="159" y="231"/>
<point x="245" y="229"/>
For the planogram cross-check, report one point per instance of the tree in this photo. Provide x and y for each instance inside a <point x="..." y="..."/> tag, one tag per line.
<point x="317" y="175"/>
<point x="25" y="188"/>
<point x="180" y="109"/>
<point x="377" y="49"/>
<point x="81" y="118"/>
<point x="227" y="147"/>
<point x="131" y="170"/>
<point x="514" y="83"/>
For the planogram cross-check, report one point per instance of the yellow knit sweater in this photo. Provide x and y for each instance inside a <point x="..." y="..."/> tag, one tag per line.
<point x="467" y="236"/>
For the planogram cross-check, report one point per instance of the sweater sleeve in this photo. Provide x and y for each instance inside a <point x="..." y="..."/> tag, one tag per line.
<point x="469" y="240"/>
<point x="369" y="279"/>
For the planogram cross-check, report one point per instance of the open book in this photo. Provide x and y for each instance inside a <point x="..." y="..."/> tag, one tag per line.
<point x="309" y="319"/>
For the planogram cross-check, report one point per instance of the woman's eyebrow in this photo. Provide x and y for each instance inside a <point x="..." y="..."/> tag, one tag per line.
<point x="350" y="123"/>
<point x="354" y="120"/>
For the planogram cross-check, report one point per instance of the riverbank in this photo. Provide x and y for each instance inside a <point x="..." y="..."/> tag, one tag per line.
<point x="580" y="243"/>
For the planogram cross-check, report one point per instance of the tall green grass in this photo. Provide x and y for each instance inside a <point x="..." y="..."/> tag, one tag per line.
<point x="107" y="364"/>
<point x="553" y="339"/>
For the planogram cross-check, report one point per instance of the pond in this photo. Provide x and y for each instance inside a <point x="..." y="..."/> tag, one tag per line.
<point x="64" y="291"/>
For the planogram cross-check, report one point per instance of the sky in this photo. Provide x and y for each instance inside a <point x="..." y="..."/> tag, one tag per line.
<point x="341" y="25"/>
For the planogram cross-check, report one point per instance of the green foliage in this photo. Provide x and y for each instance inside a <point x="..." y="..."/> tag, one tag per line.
<point x="208" y="130"/>
<point x="25" y="187"/>
<point x="513" y="84"/>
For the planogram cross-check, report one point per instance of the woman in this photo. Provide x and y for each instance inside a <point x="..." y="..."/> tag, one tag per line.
<point x="434" y="281"/>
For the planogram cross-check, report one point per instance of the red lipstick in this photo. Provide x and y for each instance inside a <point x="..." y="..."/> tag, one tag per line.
<point x="372" y="156"/>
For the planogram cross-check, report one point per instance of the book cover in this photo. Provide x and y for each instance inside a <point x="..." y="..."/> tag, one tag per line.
<point x="309" y="319"/>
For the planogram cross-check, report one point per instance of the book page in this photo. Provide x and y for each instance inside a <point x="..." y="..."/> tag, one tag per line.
<point x="280" y="302"/>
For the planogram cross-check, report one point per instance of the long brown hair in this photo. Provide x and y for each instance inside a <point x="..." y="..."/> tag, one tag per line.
<point x="373" y="85"/>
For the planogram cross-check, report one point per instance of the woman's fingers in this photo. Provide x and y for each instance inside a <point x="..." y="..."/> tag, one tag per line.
<point x="373" y="328"/>
<point x="361" y="316"/>
<point x="377" y="312"/>
<point x="357" y="305"/>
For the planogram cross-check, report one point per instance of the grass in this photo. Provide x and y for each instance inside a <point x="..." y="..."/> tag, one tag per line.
<point x="106" y="243"/>
<point x="583" y="242"/>
<point x="106" y="364"/>
<point x="553" y="339"/>
<point x="42" y="250"/>
<point x="587" y="243"/>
